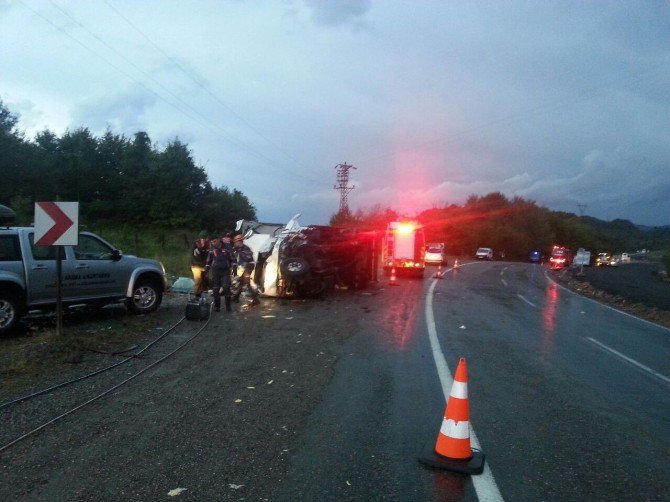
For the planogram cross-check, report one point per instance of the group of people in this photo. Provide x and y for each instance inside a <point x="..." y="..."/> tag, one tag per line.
<point x="215" y="261"/>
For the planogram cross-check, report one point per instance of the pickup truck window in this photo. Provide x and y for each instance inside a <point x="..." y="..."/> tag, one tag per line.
<point x="9" y="248"/>
<point x="90" y="248"/>
<point x="41" y="252"/>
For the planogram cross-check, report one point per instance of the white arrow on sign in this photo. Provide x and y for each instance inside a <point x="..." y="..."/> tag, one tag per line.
<point x="56" y="223"/>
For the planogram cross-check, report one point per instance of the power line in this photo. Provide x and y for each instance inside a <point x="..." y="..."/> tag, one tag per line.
<point x="221" y="132"/>
<point x="197" y="82"/>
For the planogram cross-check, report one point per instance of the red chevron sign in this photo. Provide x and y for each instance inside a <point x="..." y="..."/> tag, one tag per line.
<point x="56" y="223"/>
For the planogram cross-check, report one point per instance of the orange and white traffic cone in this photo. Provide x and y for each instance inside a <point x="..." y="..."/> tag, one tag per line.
<point x="438" y="274"/>
<point x="392" y="278"/>
<point x="452" y="450"/>
<point x="456" y="264"/>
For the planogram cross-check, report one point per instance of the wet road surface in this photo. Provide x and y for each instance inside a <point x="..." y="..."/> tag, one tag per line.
<point x="569" y="399"/>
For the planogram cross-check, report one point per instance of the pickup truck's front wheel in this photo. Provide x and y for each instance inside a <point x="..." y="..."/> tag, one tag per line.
<point x="147" y="296"/>
<point x="9" y="312"/>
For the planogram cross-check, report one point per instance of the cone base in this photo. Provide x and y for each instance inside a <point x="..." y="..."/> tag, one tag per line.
<point x="473" y="465"/>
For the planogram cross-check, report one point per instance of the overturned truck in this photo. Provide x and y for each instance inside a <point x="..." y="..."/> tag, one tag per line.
<point x="296" y="261"/>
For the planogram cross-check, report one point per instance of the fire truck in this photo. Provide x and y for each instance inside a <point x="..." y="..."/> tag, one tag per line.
<point x="560" y="257"/>
<point x="404" y="248"/>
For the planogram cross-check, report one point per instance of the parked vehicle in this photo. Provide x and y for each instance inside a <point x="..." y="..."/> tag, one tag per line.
<point x="484" y="254"/>
<point x="296" y="261"/>
<point x="435" y="254"/>
<point x="93" y="272"/>
<point x="404" y="248"/>
<point x="560" y="257"/>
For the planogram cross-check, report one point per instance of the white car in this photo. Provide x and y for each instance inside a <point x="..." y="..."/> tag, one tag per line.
<point x="435" y="254"/>
<point x="484" y="254"/>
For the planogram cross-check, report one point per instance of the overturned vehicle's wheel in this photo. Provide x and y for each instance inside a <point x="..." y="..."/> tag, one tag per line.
<point x="294" y="267"/>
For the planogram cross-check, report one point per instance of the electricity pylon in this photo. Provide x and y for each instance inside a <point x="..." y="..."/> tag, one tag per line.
<point x="343" y="185"/>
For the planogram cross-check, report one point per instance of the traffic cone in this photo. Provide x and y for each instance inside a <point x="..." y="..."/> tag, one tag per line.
<point x="438" y="274"/>
<point x="456" y="264"/>
<point x="452" y="450"/>
<point x="392" y="278"/>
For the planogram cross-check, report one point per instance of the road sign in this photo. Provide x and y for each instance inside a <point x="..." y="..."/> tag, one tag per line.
<point x="56" y="223"/>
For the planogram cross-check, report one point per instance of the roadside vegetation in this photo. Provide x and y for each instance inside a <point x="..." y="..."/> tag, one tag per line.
<point x="515" y="226"/>
<point x="119" y="182"/>
<point x="153" y="201"/>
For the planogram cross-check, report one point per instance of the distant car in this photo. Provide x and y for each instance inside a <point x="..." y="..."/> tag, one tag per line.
<point x="435" y="253"/>
<point x="608" y="260"/>
<point x="604" y="260"/>
<point x="484" y="254"/>
<point x="535" y="256"/>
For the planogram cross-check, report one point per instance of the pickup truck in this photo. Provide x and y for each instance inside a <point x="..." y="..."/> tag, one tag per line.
<point x="93" y="273"/>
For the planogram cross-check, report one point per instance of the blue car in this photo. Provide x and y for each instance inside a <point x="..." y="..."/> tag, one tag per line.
<point x="535" y="256"/>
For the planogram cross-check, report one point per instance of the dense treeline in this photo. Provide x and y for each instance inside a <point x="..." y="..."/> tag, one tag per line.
<point x="117" y="180"/>
<point x="516" y="226"/>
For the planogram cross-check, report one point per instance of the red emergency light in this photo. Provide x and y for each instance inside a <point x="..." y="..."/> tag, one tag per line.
<point x="405" y="228"/>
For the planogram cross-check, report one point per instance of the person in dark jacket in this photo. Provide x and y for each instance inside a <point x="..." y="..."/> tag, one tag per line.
<point x="199" y="254"/>
<point x="245" y="259"/>
<point x="219" y="262"/>
<point x="227" y="242"/>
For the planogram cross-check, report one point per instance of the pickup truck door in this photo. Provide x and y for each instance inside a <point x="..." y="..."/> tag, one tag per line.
<point x="94" y="273"/>
<point x="41" y="273"/>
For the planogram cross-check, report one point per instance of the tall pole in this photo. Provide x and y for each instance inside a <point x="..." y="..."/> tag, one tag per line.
<point x="59" y="291"/>
<point x="343" y="185"/>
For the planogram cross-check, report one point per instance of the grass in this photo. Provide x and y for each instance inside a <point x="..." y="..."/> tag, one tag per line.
<point x="171" y="247"/>
<point x="40" y="353"/>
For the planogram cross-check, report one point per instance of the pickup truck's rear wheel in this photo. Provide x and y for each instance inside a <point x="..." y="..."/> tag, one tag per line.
<point x="147" y="296"/>
<point x="9" y="312"/>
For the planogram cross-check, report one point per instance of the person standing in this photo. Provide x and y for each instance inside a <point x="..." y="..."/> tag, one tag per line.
<point x="245" y="259"/>
<point x="198" y="261"/>
<point x="227" y="242"/>
<point x="219" y="261"/>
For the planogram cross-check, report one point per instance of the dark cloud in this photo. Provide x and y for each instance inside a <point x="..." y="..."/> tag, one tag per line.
<point x="337" y="12"/>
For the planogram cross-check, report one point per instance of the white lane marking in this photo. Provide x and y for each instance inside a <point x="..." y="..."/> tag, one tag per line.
<point x="523" y="298"/>
<point x="504" y="282"/>
<point x="629" y="360"/>
<point x="484" y="483"/>
<point x="603" y="305"/>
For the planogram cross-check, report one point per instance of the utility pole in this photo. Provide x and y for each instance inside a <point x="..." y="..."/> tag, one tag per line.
<point x="343" y="185"/>
<point x="582" y="208"/>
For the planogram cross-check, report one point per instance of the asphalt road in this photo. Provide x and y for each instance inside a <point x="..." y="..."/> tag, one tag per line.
<point x="559" y="416"/>
<point x="336" y="400"/>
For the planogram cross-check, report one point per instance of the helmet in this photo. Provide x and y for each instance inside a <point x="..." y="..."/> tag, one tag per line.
<point x="238" y="238"/>
<point x="203" y="234"/>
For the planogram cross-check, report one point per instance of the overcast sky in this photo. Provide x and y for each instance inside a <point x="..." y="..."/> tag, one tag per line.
<point x="565" y="103"/>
